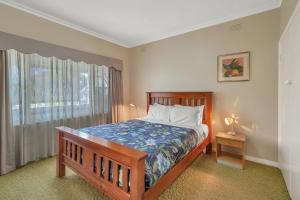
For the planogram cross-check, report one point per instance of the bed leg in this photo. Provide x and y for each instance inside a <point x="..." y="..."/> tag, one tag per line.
<point x="60" y="167"/>
<point x="138" y="180"/>
<point x="209" y="148"/>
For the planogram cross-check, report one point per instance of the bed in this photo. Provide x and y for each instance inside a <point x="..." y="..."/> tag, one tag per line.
<point x="124" y="161"/>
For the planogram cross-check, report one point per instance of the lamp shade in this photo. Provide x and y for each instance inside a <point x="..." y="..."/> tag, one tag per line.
<point x="228" y="121"/>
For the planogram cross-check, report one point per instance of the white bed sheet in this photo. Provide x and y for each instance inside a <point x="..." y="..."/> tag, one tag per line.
<point x="201" y="130"/>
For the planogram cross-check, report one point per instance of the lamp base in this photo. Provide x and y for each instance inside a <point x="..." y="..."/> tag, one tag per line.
<point x="231" y="133"/>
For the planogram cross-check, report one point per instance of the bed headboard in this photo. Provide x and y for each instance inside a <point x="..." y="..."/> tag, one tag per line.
<point x="186" y="99"/>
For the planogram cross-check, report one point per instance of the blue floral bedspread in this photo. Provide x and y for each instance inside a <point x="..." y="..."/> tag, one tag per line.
<point x="164" y="144"/>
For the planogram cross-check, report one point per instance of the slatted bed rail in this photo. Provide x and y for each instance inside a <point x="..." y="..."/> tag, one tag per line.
<point x="116" y="170"/>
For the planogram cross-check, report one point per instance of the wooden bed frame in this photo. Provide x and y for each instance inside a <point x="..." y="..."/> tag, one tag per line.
<point x="84" y="154"/>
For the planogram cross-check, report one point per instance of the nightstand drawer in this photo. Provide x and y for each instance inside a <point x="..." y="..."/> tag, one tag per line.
<point x="228" y="142"/>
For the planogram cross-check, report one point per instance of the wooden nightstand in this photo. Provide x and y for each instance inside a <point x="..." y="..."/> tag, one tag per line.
<point x="236" y="141"/>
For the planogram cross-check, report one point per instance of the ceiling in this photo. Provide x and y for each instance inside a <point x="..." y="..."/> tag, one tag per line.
<point x="131" y="23"/>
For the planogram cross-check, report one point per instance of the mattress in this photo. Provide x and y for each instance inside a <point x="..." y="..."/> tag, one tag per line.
<point x="165" y="144"/>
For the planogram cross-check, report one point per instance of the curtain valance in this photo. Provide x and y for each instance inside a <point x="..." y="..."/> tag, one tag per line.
<point x="30" y="46"/>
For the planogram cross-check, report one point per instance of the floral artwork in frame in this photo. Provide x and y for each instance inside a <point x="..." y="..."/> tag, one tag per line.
<point x="234" y="67"/>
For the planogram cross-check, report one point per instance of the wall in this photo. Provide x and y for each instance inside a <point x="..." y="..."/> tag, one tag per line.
<point x="189" y="63"/>
<point x="286" y="10"/>
<point x="23" y="24"/>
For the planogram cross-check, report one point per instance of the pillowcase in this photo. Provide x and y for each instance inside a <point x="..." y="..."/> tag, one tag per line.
<point x="159" y="112"/>
<point x="190" y="114"/>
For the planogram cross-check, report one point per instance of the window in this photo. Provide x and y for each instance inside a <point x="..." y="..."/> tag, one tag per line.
<point x="45" y="89"/>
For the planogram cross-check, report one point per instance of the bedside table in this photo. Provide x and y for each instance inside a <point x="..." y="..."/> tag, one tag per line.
<point x="237" y="141"/>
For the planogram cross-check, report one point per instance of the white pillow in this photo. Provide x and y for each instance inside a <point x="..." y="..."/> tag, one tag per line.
<point x="196" y="111"/>
<point x="159" y="112"/>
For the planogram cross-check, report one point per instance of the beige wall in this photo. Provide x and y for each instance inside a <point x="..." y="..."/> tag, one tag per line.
<point x="189" y="63"/>
<point x="23" y="24"/>
<point x="286" y="10"/>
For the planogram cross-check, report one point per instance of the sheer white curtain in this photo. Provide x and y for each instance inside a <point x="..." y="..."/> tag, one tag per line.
<point x="44" y="93"/>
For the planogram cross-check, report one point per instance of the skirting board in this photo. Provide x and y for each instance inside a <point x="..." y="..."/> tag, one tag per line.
<point x="260" y="160"/>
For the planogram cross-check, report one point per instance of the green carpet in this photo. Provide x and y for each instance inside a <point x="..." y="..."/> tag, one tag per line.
<point x="203" y="180"/>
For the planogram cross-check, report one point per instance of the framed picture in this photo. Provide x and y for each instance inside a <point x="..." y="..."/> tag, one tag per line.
<point x="234" y="67"/>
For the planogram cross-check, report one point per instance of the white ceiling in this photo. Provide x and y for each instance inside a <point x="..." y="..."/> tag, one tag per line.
<point x="134" y="22"/>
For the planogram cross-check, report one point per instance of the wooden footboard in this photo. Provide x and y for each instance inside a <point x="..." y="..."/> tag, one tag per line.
<point x="99" y="162"/>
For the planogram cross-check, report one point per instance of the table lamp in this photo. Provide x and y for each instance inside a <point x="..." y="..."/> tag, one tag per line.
<point x="134" y="106"/>
<point x="230" y="121"/>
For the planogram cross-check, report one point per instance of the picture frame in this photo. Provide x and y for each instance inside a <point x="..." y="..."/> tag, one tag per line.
<point x="234" y="67"/>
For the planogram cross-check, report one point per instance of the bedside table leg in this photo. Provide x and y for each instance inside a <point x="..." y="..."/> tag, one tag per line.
<point x="219" y="149"/>
<point x="243" y="157"/>
<point x="209" y="148"/>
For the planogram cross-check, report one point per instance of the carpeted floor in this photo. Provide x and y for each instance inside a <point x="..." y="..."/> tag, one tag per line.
<point x="203" y="180"/>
